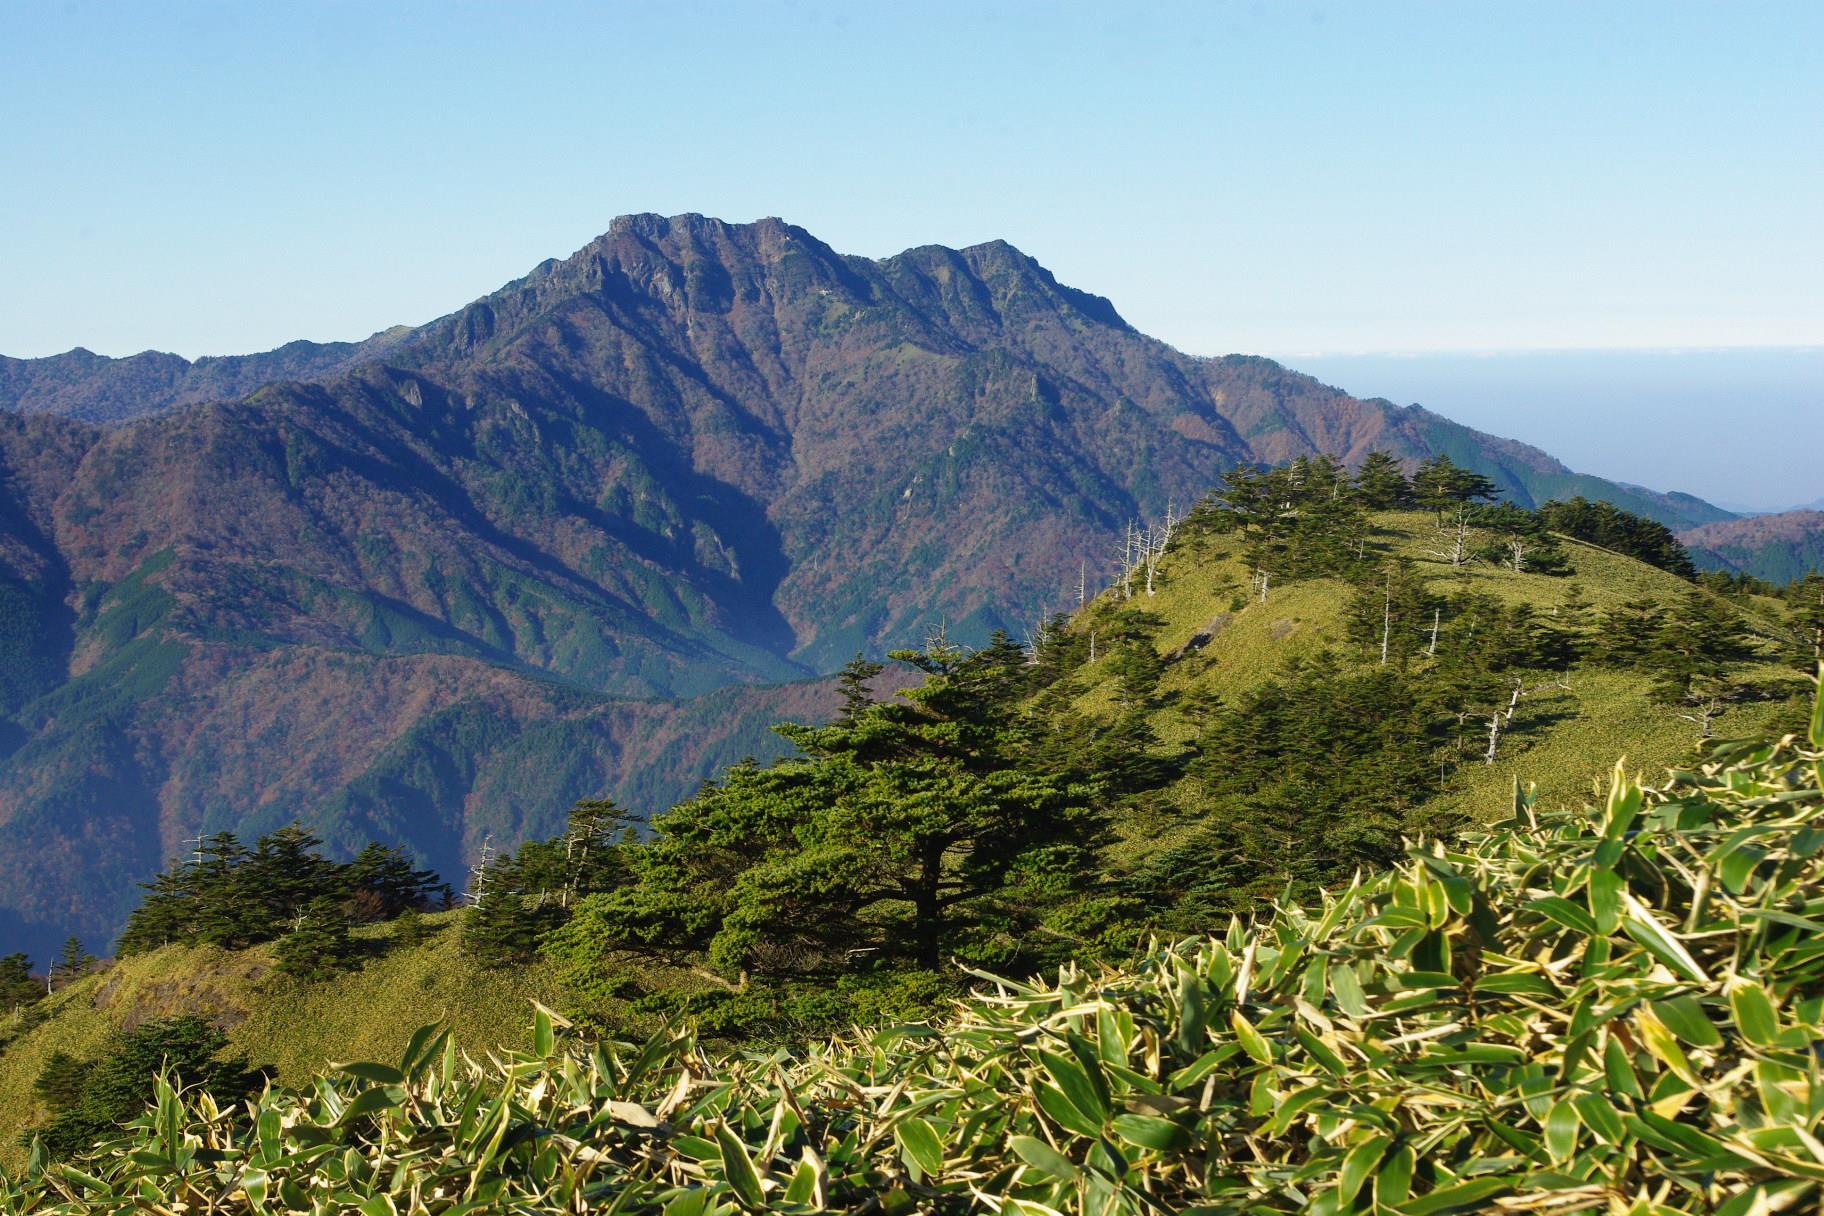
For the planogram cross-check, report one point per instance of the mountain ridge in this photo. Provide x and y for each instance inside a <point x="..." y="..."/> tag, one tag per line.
<point x="691" y="456"/>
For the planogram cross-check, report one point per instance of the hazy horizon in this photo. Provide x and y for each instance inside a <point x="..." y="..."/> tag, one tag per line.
<point x="1628" y="415"/>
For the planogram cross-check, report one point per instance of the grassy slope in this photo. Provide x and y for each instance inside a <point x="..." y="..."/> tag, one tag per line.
<point x="1562" y="740"/>
<point x="365" y="1014"/>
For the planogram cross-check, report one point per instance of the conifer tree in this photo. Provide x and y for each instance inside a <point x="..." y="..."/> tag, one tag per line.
<point x="17" y="987"/>
<point x="901" y="835"/>
<point x="1390" y="614"/>
<point x="383" y="884"/>
<point x="1440" y="484"/>
<point x="319" y="945"/>
<point x="1380" y="485"/>
<point x="852" y="685"/>
<point x="71" y="965"/>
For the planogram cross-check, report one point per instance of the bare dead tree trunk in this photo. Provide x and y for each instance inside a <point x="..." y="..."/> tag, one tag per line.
<point x="1494" y="738"/>
<point x="1453" y="540"/>
<point x="1431" y="651"/>
<point x="478" y="873"/>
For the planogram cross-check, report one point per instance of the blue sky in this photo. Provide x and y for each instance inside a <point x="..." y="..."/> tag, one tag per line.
<point x="1273" y="178"/>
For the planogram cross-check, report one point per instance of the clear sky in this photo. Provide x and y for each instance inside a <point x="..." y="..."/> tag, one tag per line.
<point x="1280" y="178"/>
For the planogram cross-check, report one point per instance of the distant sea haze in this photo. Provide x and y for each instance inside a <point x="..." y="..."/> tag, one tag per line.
<point x="1740" y="426"/>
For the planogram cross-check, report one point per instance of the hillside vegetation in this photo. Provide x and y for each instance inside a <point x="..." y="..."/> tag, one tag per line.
<point x="1188" y="745"/>
<point x="1595" y="1009"/>
<point x="289" y="1025"/>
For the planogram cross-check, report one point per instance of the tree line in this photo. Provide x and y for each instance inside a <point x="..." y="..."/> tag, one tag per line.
<point x="282" y="890"/>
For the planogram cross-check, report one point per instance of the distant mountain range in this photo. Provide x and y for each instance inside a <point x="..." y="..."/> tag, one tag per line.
<point x="433" y="586"/>
<point x="1778" y="547"/>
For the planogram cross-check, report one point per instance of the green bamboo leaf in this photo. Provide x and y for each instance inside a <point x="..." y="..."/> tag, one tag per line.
<point x="1252" y="1041"/>
<point x="1816" y="733"/>
<point x="367" y="1070"/>
<point x="1083" y="1094"/>
<point x="1618" y="1070"/>
<point x="1661" y="1043"/>
<point x="802" y="1190"/>
<point x="1347" y="988"/>
<point x="738" y="1167"/>
<point x="1524" y="983"/>
<point x="1091" y="1062"/>
<point x="1052" y="1101"/>
<point x="692" y="1202"/>
<point x="1320" y="1051"/>
<point x="1564" y="912"/>
<point x="1042" y="1156"/>
<point x="1605" y="900"/>
<point x="919" y="1145"/>
<point x="1358" y="1164"/>
<point x="1192" y="1019"/>
<point x="1753" y="1013"/>
<point x="1460" y="1195"/>
<point x="1687" y="1019"/>
<point x="367" y="1102"/>
<point x="1599" y="1114"/>
<point x="1561" y="1123"/>
<point x="1393" y="1181"/>
<point x="1147" y="1131"/>
<point x="1661" y="944"/>
<point x="1625" y="797"/>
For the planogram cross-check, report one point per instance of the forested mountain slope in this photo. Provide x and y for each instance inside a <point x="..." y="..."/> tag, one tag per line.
<point x="1776" y="548"/>
<point x="398" y="589"/>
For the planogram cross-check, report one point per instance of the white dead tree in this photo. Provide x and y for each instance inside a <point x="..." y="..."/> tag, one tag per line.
<point x="1431" y="651"/>
<point x="1142" y="547"/>
<point x="1155" y="541"/>
<point x="1038" y="633"/>
<point x="1518" y="547"/>
<point x="1708" y="700"/>
<point x="1501" y="720"/>
<point x="1454" y="539"/>
<point x="478" y="873"/>
<point x="1129" y="560"/>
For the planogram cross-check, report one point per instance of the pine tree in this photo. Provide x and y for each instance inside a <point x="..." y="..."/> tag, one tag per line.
<point x="383" y="883"/>
<point x="912" y="834"/>
<point x="1439" y="485"/>
<point x="320" y="945"/>
<point x="852" y="684"/>
<point x="1694" y="645"/>
<point x="1380" y="485"/>
<point x="71" y="965"/>
<point x="17" y="986"/>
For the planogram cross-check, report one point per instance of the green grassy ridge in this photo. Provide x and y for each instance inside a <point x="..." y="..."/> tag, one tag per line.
<point x="1563" y="738"/>
<point x="1613" y="1007"/>
<point x="291" y="1026"/>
